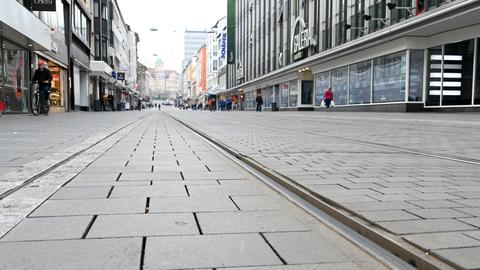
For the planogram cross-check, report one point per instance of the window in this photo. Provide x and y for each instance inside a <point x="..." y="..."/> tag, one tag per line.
<point x="81" y="25"/>
<point x="322" y="82"/>
<point x="360" y="82"/>
<point x="458" y="73"/>
<point x="340" y="85"/>
<point x="389" y="78"/>
<point x="293" y="93"/>
<point x="284" y="94"/>
<point x="477" y="83"/>
<point x="416" y="75"/>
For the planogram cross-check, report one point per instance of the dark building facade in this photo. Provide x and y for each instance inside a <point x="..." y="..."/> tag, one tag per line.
<point x="395" y="55"/>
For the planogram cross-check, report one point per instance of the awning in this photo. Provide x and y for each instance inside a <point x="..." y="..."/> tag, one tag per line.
<point x="102" y="70"/>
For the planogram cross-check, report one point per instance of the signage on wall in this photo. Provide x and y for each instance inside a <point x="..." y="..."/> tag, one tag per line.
<point x="44" y="5"/>
<point x="223" y="46"/>
<point x="121" y="76"/>
<point x="302" y="39"/>
<point x="114" y="74"/>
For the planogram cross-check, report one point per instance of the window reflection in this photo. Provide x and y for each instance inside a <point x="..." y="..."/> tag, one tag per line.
<point x="389" y="78"/>
<point x="340" y="85"/>
<point x="360" y="77"/>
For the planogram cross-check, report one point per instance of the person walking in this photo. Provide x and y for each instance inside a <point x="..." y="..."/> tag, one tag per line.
<point x="44" y="79"/>
<point x="328" y="97"/>
<point x="259" y="101"/>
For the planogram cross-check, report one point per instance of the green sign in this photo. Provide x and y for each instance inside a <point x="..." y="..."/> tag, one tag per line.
<point x="231" y="32"/>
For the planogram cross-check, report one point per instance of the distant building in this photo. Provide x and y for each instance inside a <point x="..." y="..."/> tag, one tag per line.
<point x="193" y="41"/>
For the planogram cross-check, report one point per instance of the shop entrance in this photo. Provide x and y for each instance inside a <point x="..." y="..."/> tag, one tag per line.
<point x="307" y="92"/>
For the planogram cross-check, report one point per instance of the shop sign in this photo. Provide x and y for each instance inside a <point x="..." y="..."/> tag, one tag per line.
<point x="302" y="39"/>
<point x="121" y="76"/>
<point x="223" y="46"/>
<point x="114" y="74"/>
<point x="44" y="5"/>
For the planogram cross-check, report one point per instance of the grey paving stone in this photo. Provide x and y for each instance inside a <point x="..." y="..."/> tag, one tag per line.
<point x="52" y="228"/>
<point x="434" y="196"/>
<point x="69" y="193"/>
<point x="161" y="190"/>
<point x="325" y="266"/>
<point x="380" y="206"/>
<point x="158" y="176"/>
<point x="208" y="251"/>
<point x="391" y="215"/>
<point x="438" y="213"/>
<point x="248" y="222"/>
<point x="473" y="234"/>
<point x="392" y="197"/>
<point x="90" y="207"/>
<point x="474" y="211"/>
<point x="472" y="221"/>
<point x="213" y="175"/>
<point x="296" y="248"/>
<point x="143" y="225"/>
<point x="104" y="177"/>
<point x="436" y="204"/>
<point x="469" y="202"/>
<point x="191" y="204"/>
<point x="425" y="226"/>
<point x="432" y="241"/>
<point x="101" y="254"/>
<point x="255" y="203"/>
<point x="110" y="184"/>
<point x="467" y="258"/>
<point x="226" y="189"/>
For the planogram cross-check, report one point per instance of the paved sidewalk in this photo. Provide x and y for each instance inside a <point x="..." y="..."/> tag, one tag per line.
<point x="161" y="198"/>
<point x="433" y="203"/>
<point x="27" y="138"/>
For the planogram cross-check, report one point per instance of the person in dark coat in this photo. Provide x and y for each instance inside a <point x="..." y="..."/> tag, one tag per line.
<point x="44" y="79"/>
<point x="259" y="101"/>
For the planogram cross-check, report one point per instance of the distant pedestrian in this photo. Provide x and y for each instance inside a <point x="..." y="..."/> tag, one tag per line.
<point x="259" y="101"/>
<point x="328" y="97"/>
<point x="111" y="101"/>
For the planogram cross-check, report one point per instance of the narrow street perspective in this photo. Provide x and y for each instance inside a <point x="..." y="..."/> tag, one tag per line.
<point x="161" y="197"/>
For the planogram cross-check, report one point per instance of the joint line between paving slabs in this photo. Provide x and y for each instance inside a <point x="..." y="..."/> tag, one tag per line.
<point x="231" y="199"/>
<point x="181" y="174"/>
<point x="147" y="205"/>
<point x="87" y="230"/>
<point x="186" y="189"/>
<point x="118" y="177"/>
<point x="273" y="249"/>
<point x="110" y="192"/>
<point x="198" y="223"/>
<point x="142" y="256"/>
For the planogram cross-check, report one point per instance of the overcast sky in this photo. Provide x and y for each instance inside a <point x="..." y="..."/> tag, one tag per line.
<point x="171" y="18"/>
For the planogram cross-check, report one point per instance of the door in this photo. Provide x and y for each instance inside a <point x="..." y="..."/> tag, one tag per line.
<point x="307" y="92"/>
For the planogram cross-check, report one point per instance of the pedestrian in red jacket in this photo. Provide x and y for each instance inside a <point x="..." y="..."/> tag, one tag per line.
<point x="328" y="97"/>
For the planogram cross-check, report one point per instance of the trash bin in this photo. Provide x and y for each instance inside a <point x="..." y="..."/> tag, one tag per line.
<point x="274" y="107"/>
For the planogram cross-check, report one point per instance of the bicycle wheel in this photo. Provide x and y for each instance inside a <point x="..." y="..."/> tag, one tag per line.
<point x="35" y="102"/>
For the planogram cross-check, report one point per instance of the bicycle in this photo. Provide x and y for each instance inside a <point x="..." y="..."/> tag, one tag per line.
<point x="37" y="100"/>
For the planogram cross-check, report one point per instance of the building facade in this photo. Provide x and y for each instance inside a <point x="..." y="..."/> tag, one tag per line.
<point x="398" y="55"/>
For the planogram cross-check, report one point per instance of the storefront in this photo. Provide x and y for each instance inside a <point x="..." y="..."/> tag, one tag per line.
<point x="58" y="94"/>
<point x="20" y="34"/>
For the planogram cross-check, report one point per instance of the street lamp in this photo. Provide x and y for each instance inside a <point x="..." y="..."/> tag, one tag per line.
<point x="392" y="6"/>
<point x="369" y="18"/>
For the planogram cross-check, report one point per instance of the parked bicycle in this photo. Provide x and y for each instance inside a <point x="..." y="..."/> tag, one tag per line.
<point x="38" y="103"/>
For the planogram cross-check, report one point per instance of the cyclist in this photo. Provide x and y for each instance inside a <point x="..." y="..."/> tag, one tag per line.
<point x="44" y="78"/>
